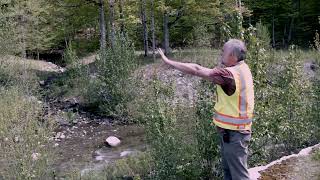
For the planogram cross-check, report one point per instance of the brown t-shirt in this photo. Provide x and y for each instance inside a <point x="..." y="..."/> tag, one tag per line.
<point x="224" y="78"/>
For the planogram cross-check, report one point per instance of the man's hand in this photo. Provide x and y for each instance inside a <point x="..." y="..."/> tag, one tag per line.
<point x="164" y="57"/>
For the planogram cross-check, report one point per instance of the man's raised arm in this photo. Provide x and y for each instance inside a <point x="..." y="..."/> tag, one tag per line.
<point x="189" y="68"/>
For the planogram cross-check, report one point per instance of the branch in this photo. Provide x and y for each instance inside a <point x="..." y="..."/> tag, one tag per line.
<point x="179" y="15"/>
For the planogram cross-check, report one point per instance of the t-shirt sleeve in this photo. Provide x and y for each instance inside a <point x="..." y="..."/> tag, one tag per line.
<point x="221" y="75"/>
<point x="224" y="78"/>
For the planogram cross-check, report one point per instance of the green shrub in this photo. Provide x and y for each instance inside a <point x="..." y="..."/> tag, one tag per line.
<point x="283" y="118"/>
<point x="206" y="134"/>
<point x="111" y="90"/>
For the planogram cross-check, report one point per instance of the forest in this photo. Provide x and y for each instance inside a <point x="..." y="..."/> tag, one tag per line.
<point x="76" y="73"/>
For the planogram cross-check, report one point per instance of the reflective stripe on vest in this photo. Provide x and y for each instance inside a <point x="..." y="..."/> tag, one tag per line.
<point x="235" y="121"/>
<point x="243" y="95"/>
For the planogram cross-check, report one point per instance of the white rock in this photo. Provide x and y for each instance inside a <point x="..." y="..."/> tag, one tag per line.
<point x="35" y="156"/>
<point x="60" y="135"/>
<point x="41" y="83"/>
<point x="113" y="141"/>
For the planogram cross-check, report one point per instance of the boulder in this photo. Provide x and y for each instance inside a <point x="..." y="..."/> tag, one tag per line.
<point x="113" y="141"/>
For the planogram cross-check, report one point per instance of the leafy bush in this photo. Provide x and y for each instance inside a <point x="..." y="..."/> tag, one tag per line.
<point x="206" y="134"/>
<point x="183" y="144"/>
<point x="161" y="129"/>
<point x="283" y="118"/>
<point x="110" y="91"/>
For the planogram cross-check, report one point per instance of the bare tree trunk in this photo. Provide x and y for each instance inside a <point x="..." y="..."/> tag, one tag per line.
<point x="166" y="33"/>
<point x="284" y="44"/>
<point x="112" y="26"/>
<point x="122" y="32"/>
<point x="102" y="23"/>
<point x="38" y="54"/>
<point x="144" y="24"/>
<point x="23" y="38"/>
<point x="153" y="31"/>
<point x="273" y="35"/>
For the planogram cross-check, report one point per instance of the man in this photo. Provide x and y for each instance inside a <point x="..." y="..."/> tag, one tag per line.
<point x="234" y="106"/>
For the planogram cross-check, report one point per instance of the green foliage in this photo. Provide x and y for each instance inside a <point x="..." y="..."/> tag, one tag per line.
<point x="24" y="151"/>
<point x="110" y="91"/>
<point x="173" y="156"/>
<point x="294" y="21"/>
<point x="24" y="134"/>
<point x="70" y="57"/>
<point x="206" y="134"/>
<point x="316" y="155"/>
<point x="283" y="116"/>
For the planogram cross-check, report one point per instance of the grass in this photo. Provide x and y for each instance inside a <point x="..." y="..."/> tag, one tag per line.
<point x="24" y="152"/>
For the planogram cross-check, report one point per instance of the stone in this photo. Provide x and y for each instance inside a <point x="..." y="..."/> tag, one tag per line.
<point x="113" y="141"/>
<point x="35" y="156"/>
<point x="59" y="136"/>
<point x="42" y="83"/>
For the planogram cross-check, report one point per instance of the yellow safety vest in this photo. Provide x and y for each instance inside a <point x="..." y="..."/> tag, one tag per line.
<point x="235" y="112"/>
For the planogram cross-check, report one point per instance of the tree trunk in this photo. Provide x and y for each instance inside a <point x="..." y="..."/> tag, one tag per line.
<point x="290" y="31"/>
<point x="166" y="33"/>
<point x="273" y="35"/>
<point x="38" y="54"/>
<point x="23" y="38"/>
<point x="112" y="26"/>
<point x="122" y="31"/>
<point x="153" y="31"/>
<point x="144" y="24"/>
<point x="284" y="44"/>
<point x="102" y="23"/>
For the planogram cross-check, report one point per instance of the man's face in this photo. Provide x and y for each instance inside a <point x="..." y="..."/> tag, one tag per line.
<point x="226" y="55"/>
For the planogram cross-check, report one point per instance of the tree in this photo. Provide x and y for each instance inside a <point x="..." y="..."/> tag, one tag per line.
<point x="112" y="23"/>
<point x="144" y="24"/>
<point x="30" y="23"/>
<point x="153" y="29"/>
<point x="102" y="26"/>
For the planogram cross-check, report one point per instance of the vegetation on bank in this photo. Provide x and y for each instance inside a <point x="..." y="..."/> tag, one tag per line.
<point x="182" y="142"/>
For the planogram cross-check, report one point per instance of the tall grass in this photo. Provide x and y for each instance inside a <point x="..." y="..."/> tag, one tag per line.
<point x="24" y="149"/>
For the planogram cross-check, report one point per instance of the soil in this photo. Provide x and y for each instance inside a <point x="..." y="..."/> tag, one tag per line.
<point x="295" y="168"/>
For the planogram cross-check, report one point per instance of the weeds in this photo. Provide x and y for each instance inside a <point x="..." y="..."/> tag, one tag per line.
<point x="24" y="134"/>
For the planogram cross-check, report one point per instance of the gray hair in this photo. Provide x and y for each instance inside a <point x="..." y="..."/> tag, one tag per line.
<point x="238" y="48"/>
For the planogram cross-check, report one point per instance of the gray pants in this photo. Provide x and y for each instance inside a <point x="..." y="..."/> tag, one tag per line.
<point x="234" y="156"/>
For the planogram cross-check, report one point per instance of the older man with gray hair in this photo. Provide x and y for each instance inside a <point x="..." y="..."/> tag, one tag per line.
<point x="234" y="104"/>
